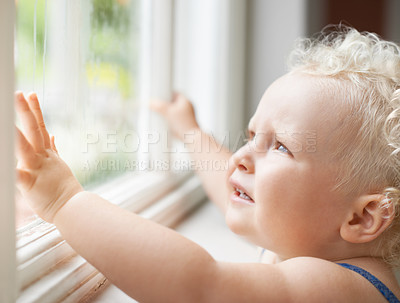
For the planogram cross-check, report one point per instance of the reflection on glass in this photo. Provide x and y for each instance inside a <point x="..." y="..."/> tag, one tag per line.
<point x="82" y="59"/>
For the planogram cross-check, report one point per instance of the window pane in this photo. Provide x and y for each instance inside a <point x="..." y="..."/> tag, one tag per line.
<point x="82" y="58"/>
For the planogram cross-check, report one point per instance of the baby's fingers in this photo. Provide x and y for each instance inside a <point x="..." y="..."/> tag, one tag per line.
<point x="35" y="107"/>
<point x="29" y="123"/>
<point x="159" y="106"/>
<point x="53" y="144"/>
<point x="25" y="152"/>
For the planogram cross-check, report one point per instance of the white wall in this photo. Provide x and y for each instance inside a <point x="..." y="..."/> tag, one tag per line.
<point x="272" y="28"/>
<point x="393" y="20"/>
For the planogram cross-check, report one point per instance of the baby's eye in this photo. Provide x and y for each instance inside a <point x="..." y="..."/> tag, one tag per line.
<point x="282" y="148"/>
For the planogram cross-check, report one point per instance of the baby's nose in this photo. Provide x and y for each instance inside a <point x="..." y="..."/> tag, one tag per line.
<point x="243" y="159"/>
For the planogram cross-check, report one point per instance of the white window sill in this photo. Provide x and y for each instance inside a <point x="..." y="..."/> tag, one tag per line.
<point x="48" y="268"/>
<point x="206" y="226"/>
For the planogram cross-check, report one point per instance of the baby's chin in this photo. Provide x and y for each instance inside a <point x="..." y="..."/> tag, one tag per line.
<point x="236" y="221"/>
<point x="244" y="229"/>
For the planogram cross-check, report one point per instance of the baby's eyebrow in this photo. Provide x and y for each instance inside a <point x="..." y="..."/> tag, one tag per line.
<point x="291" y="139"/>
<point x="288" y="135"/>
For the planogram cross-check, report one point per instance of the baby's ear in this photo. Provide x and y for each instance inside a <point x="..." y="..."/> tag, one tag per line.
<point x="369" y="216"/>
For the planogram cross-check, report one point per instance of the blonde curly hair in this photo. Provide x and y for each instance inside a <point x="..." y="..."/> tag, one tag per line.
<point x="366" y="74"/>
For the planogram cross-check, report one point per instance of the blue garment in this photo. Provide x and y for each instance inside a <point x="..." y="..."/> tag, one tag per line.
<point x="384" y="290"/>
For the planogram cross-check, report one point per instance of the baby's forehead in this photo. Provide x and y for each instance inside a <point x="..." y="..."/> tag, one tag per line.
<point x="304" y="96"/>
<point x="303" y="104"/>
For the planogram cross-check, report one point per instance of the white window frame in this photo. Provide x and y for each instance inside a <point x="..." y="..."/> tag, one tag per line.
<point x="70" y="277"/>
<point x="44" y="260"/>
<point x="8" y="288"/>
<point x="209" y="66"/>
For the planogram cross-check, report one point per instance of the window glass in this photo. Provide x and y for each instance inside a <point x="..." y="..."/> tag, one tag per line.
<point x="82" y="58"/>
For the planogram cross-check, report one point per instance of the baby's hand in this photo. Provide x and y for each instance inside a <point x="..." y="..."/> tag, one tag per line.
<point x="179" y="114"/>
<point x="43" y="178"/>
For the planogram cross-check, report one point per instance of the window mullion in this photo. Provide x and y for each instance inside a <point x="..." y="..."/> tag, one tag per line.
<point x="161" y="72"/>
<point x="230" y="58"/>
<point x="8" y="287"/>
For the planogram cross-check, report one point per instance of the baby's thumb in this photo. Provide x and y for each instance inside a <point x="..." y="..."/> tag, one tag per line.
<point x="24" y="179"/>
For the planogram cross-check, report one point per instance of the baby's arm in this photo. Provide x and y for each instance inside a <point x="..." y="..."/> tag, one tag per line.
<point x="203" y="149"/>
<point x="137" y="255"/>
<point x="146" y="260"/>
<point x="150" y="262"/>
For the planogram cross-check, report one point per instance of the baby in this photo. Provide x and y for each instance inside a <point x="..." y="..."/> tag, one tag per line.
<point x="318" y="184"/>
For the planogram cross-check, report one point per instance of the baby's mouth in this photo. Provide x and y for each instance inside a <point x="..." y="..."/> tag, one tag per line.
<point x="239" y="193"/>
<point x="242" y="194"/>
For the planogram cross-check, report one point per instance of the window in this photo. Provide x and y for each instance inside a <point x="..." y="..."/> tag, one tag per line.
<point x="84" y="84"/>
<point x="83" y="59"/>
<point x="95" y="64"/>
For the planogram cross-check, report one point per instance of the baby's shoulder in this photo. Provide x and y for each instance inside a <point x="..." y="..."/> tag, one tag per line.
<point x="302" y="279"/>
<point x="325" y="281"/>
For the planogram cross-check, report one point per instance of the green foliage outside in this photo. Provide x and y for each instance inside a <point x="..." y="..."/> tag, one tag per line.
<point x="110" y="63"/>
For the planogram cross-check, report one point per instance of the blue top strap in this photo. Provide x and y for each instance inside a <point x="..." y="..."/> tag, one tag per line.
<point x="384" y="290"/>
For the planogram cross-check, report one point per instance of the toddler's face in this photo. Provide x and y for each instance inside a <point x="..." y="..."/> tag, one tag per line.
<point x="282" y="180"/>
